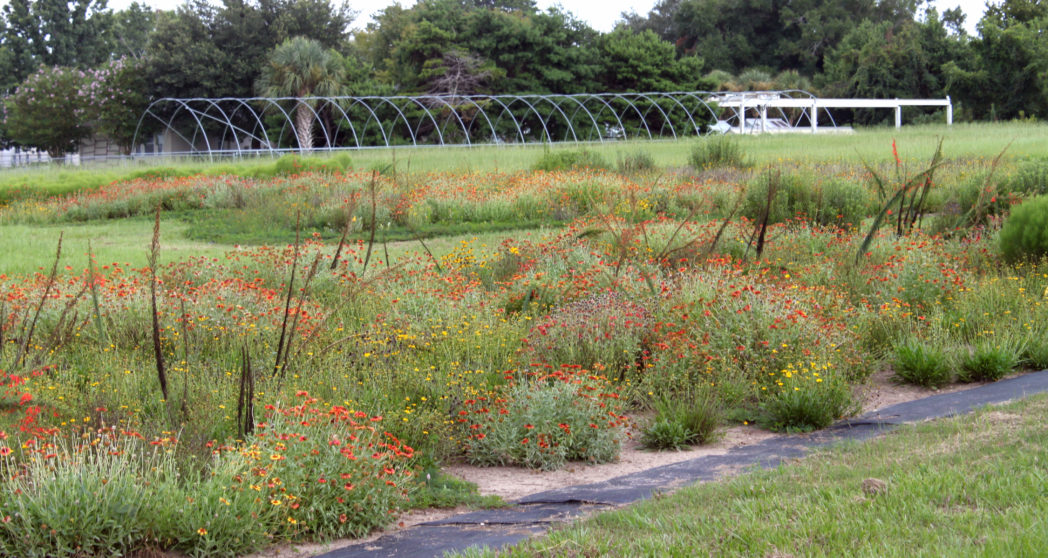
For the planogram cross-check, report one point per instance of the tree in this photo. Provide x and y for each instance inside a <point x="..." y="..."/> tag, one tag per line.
<point x="732" y="35"/>
<point x="131" y="29"/>
<point x="534" y="52"/>
<point x="885" y="60"/>
<point x="1007" y="75"/>
<point x="218" y="50"/>
<point x="115" y="95"/>
<point x="302" y="68"/>
<point x="641" y="62"/>
<point x="53" y="32"/>
<point x="47" y="111"/>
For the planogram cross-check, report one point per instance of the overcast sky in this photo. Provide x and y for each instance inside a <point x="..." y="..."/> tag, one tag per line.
<point x="600" y="14"/>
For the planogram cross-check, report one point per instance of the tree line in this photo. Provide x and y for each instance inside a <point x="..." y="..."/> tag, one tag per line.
<point x="72" y="68"/>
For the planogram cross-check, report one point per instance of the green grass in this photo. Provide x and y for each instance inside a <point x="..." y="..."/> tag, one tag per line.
<point x="970" y="486"/>
<point x="1023" y="139"/>
<point x="26" y="249"/>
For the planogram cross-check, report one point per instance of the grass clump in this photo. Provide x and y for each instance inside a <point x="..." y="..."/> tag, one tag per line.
<point x="920" y="363"/>
<point x="717" y="151"/>
<point x="636" y="163"/>
<point x="570" y="160"/>
<point x="682" y="420"/>
<point x="988" y="363"/>
<point x="803" y="400"/>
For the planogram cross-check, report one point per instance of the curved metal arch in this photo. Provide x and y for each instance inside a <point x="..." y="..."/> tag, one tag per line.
<point x="454" y="112"/>
<point x="316" y="116"/>
<point x="271" y="102"/>
<point x="582" y="107"/>
<point x="558" y="109"/>
<point x="345" y="118"/>
<point x="505" y="109"/>
<point x="532" y="117"/>
<point x="483" y="113"/>
<point x="535" y="111"/>
<point x="378" y="122"/>
<point x="690" y="114"/>
<point x="600" y="97"/>
<point x="643" y="120"/>
<point x="425" y="109"/>
<point x="181" y="103"/>
<point x="404" y="118"/>
<point x="260" y="126"/>
<point x="230" y="127"/>
<point x="666" y="120"/>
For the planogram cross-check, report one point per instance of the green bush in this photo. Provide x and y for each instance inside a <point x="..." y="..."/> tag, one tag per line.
<point x="569" y="160"/>
<point x="1035" y="354"/>
<point x="1030" y="179"/>
<point x="919" y="363"/>
<point x="805" y="403"/>
<point x="1024" y="235"/>
<point x="542" y="426"/>
<point x="296" y="164"/>
<point x="988" y="362"/>
<point x="835" y="202"/>
<point x="686" y="419"/>
<point x="844" y="203"/>
<point x="636" y="163"/>
<point x="717" y="151"/>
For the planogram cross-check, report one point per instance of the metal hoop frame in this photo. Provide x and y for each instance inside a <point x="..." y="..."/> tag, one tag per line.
<point x="261" y="125"/>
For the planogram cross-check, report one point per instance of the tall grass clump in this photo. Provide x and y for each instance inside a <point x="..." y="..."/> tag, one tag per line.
<point x="717" y="151"/>
<point x="988" y="362"/>
<point x="570" y="160"/>
<point x="683" y="419"/>
<point x="921" y="363"/>
<point x="806" y="397"/>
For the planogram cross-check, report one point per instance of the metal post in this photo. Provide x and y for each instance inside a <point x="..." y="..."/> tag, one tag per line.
<point x="814" y="116"/>
<point x="898" y="116"/>
<point x="764" y="118"/>
<point x="949" y="111"/>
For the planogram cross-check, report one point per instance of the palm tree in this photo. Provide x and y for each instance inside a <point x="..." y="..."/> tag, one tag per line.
<point x="301" y="68"/>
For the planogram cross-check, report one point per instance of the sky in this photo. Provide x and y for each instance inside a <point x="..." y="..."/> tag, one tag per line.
<point x="600" y="14"/>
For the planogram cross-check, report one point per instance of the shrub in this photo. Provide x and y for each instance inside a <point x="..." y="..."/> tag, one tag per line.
<point x="568" y="160"/>
<point x="1030" y="179"/>
<point x="717" y="151"/>
<point x="1035" y="354"/>
<point x="1024" y="235"/>
<point x="683" y="420"/>
<point x="988" y="362"/>
<point x="803" y="399"/>
<point x="636" y="162"/>
<point x="922" y="364"/>
<point x="843" y="203"/>
<point x="543" y="425"/>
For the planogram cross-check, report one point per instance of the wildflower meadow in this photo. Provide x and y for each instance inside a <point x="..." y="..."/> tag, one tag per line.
<point x="366" y="324"/>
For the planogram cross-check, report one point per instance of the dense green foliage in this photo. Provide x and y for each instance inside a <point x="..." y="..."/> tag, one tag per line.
<point x="1025" y="232"/>
<point x="859" y="48"/>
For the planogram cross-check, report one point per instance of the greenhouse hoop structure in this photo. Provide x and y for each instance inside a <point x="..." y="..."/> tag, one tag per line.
<point x="268" y="125"/>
